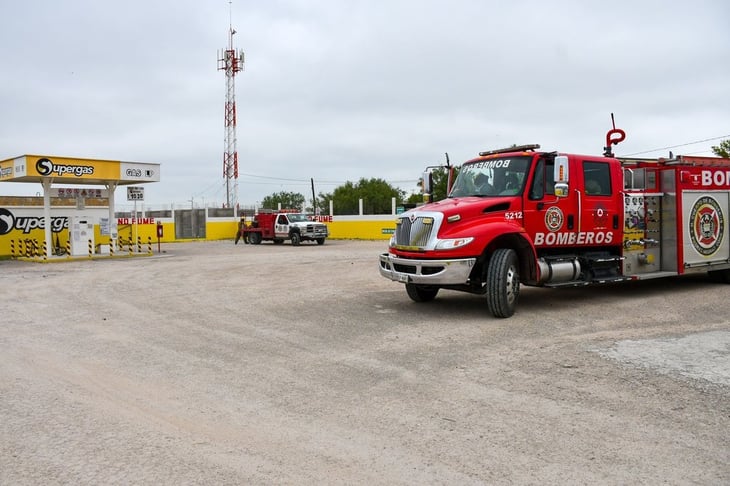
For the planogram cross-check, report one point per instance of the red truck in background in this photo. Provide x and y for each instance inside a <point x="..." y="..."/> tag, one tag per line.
<point x="280" y="226"/>
<point x="519" y="216"/>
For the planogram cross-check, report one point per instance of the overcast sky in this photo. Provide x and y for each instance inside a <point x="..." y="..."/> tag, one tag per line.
<point x="339" y="90"/>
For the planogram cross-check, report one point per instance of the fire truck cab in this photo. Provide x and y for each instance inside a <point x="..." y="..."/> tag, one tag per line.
<point x="519" y="216"/>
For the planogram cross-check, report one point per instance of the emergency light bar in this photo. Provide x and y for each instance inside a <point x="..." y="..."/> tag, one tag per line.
<point x="518" y="148"/>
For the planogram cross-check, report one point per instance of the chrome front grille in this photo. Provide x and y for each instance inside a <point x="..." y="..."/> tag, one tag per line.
<point x="414" y="232"/>
<point x="317" y="229"/>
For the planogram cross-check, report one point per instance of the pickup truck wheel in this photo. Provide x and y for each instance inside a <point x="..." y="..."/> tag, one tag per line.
<point x="254" y="238"/>
<point x="503" y="283"/>
<point x="320" y="241"/>
<point x="421" y="293"/>
<point x="296" y="239"/>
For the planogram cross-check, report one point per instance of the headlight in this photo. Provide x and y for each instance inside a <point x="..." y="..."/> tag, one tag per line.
<point x="453" y="243"/>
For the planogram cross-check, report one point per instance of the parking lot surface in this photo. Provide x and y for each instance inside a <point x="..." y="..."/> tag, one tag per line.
<point x="215" y="363"/>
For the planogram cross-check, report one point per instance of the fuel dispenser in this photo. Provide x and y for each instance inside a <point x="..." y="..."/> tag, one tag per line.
<point x="82" y="231"/>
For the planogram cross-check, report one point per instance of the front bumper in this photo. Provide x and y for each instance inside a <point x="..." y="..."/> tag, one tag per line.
<point x="427" y="272"/>
<point x="314" y="232"/>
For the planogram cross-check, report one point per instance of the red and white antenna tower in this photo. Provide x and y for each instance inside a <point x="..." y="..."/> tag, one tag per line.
<point x="230" y="60"/>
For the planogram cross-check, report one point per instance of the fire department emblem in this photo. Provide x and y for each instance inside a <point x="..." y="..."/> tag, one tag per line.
<point x="600" y="217"/>
<point x="554" y="218"/>
<point x="707" y="226"/>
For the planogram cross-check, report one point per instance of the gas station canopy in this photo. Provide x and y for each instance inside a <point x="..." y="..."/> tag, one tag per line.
<point x="48" y="170"/>
<point x="66" y="170"/>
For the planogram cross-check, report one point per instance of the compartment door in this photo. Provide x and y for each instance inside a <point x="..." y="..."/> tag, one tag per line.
<point x="705" y="227"/>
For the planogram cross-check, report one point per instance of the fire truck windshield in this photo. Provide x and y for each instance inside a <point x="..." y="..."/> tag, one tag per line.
<point x="492" y="177"/>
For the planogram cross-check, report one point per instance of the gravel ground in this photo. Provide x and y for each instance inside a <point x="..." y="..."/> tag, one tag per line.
<point x="216" y="363"/>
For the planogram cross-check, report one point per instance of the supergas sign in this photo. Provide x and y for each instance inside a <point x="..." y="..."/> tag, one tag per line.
<point x="25" y="224"/>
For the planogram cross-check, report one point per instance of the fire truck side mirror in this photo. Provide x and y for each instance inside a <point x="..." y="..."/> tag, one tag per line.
<point x="561" y="176"/>
<point x="426" y="186"/>
<point x="427" y="182"/>
<point x="561" y="190"/>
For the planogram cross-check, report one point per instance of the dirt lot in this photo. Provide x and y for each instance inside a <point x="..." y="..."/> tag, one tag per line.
<point x="222" y="364"/>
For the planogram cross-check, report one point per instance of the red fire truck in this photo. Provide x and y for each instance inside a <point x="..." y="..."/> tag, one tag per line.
<point x="283" y="225"/>
<point x="519" y="216"/>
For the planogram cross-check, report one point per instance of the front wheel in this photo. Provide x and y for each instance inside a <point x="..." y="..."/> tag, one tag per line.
<point x="503" y="283"/>
<point x="254" y="238"/>
<point x="296" y="239"/>
<point x="320" y="241"/>
<point x="421" y="293"/>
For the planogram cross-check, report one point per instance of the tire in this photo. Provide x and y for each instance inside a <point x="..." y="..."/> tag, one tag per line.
<point x="320" y="241"/>
<point x="421" y="293"/>
<point x="719" y="276"/>
<point x="254" y="238"/>
<point x="503" y="283"/>
<point x="296" y="239"/>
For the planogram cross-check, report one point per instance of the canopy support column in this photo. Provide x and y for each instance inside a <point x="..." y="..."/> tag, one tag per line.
<point x="46" y="182"/>
<point x="113" y="236"/>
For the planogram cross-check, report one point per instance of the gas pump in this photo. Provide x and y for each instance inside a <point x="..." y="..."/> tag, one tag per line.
<point x="81" y="235"/>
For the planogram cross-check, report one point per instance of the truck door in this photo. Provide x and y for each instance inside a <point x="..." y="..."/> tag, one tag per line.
<point x="281" y="227"/>
<point x="548" y="219"/>
<point x="599" y="186"/>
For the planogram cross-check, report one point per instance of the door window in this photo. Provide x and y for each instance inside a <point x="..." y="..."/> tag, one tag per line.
<point x="596" y="178"/>
<point x="544" y="181"/>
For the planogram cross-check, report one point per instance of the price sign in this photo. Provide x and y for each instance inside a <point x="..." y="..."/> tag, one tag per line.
<point x="135" y="194"/>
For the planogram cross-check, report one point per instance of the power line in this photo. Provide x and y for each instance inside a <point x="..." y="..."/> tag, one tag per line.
<point x="273" y="178"/>
<point x="675" y="146"/>
<point x="250" y="183"/>
<point x="218" y="184"/>
<point x="307" y="181"/>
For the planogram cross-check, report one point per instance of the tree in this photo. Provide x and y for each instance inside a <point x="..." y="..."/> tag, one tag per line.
<point x="722" y="150"/>
<point x="415" y="198"/>
<point x="288" y="200"/>
<point x="376" y="194"/>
